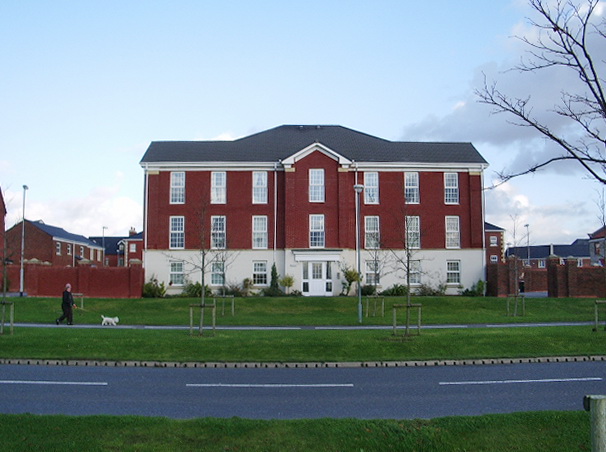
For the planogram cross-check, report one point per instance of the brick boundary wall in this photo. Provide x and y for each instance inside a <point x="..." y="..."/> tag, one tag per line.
<point x="102" y="282"/>
<point x="559" y="281"/>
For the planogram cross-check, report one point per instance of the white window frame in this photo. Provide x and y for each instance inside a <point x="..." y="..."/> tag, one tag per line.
<point x="259" y="187"/>
<point x="372" y="232"/>
<point x="414" y="272"/>
<point x="177" y="187"/>
<point x="453" y="272"/>
<point x="373" y="270"/>
<point x="542" y="263"/>
<point x="176" y="239"/>
<point x="259" y="232"/>
<point x="411" y="188"/>
<point x="317" y="235"/>
<point x="260" y="273"/>
<point x="494" y="259"/>
<point x="451" y="188"/>
<point x="69" y="249"/>
<point x="177" y="273"/>
<point x="316" y="185"/>
<point x="218" y="232"/>
<point x="217" y="273"/>
<point x="413" y="232"/>
<point x="132" y="247"/>
<point x="453" y="232"/>
<point x="371" y="187"/>
<point x="58" y="248"/>
<point x="218" y="187"/>
<point x="494" y="240"/>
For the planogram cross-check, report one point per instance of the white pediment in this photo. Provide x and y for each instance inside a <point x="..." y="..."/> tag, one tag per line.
<point x="316" y="147"/>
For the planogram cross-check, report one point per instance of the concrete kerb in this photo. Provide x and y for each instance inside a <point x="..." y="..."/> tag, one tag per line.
<point x="297" y="365"/>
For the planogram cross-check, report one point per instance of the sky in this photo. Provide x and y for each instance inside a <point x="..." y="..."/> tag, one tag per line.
<point x="86" y="86"/>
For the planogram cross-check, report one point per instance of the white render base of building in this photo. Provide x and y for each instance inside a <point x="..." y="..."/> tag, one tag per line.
<point x="316" y="272"/>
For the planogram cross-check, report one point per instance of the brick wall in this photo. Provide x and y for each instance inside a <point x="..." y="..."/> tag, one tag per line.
<point x="560" y="281"/>
<point x="105" y="282"/>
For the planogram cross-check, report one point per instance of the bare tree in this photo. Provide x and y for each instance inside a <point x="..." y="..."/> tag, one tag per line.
<point x="570" y="36"/>
<point x="213" y="254"/>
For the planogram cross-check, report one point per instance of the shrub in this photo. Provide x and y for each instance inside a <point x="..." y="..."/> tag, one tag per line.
<point x="476" y="290"/>
<point x="397" y="290"/>
<point x="153" y="289"/>
<point x="426" y="290"/>
<point x="368" y="290"/>
<point x="288" y="281"/>
<point x="194" y="290"/>
<point x="350" y="276"/>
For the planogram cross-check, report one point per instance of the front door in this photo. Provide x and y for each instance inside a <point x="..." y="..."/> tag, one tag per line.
<point x="317" y="279"/>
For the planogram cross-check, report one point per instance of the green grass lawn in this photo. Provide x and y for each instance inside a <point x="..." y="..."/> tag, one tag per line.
<point x="300" y="345"/>
<point x="546" y="431"/>
<point x="306" y="310"/>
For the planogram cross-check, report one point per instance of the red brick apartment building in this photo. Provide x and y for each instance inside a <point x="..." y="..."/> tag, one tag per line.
<point x="51" y="245"/>
<point x="287" y="196"/>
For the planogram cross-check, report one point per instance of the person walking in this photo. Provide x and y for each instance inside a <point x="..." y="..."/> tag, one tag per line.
<point x="66" y="305"/>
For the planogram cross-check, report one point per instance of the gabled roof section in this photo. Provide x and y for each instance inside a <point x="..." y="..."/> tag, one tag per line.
<point x="599" y="234"/>
<point x="292" y="159"/>
<point x="2" y="205"/>
<point x="285" y="141"/>
<point x="61" y="234"/>
<point x="491" y="227"/>
<point x="112" y="246"/>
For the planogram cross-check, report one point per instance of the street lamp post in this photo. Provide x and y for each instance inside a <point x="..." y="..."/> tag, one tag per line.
<point x="21" y="290"/>
<point x="103" y="245"/>
<point x="527" y="243"/>
<point x="358" y="188"/>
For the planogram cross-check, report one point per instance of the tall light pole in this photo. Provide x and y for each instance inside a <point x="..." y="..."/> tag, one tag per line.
<point x="358" y="188"/>
<point x="527" y="243"/>
<point x="25" y="188"/>
<point x="103" y="245"/>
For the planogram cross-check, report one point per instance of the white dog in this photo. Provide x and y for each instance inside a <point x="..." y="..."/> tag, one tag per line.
<point x="109" y="320"/>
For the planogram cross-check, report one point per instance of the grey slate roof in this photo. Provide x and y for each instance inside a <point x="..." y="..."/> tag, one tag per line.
<point x="60" y="233"/>
<point x="283" y="141"/>
<point x="578" y="248"/>
<point x="491" y="227"/>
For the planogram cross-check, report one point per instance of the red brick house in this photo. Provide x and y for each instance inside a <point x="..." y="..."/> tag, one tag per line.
<point x="495" y="243"/>
<point x="286" y="196"/>
<point x="121" y="251"/>
<point x="51" y="245"/>
<point x="2" y="224"/>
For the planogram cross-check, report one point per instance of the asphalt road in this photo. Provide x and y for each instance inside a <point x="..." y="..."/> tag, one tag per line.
<point x="287" y="393"/>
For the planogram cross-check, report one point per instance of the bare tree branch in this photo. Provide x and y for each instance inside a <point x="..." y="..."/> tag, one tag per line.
<point x="565" y="33"/>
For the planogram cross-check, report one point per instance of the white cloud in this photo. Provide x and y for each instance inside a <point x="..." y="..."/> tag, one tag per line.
<point x="83" y="214"/>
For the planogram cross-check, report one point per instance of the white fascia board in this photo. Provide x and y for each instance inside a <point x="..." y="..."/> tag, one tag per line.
<point x="418" y="166"/>
<point x="291" y="160"/>
<point x="209" y="166"/>
<point x="76" y="242"/>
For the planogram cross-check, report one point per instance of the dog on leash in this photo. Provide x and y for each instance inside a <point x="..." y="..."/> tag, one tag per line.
<point x="111" y="321"/>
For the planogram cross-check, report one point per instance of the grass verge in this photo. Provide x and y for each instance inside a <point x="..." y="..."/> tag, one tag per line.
<point x="298" y="345"/>
<point x="306" y="310"/>
<point x="544" y="431"/>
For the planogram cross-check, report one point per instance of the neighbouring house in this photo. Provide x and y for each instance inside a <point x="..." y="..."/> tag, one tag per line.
<point x="2" y="225"/>
<point x="121" y="251"/>
<point x="51" y="245"/>
<point x="597" y="242"/>
<point x="535" y="256"/>
<point x="495" y="243"/>
<point x="224" y="212"/>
